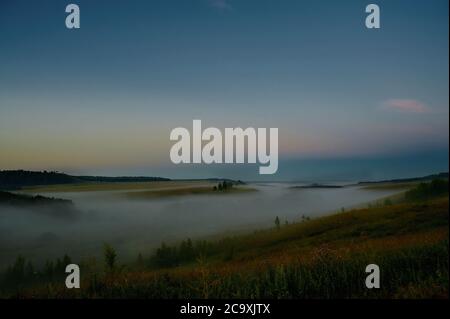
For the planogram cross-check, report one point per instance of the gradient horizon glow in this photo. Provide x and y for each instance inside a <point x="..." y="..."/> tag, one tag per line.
<point x="103" y="99"/>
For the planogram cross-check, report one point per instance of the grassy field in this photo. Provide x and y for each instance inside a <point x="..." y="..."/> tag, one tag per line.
<point x="319" y="258"/>
<point x="94" y="186"/>
<point x="197" y="190"/>
<point x="387" y="186"/>
<point x="141" y="190"/>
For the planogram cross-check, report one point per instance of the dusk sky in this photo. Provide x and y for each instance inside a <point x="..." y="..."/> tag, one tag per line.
<point x="103" y="99"/>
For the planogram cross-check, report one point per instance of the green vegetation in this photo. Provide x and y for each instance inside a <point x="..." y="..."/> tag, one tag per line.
<point x="405" y="183"/>
<point x="180" y="191"/>
<point x="186" y="252"/>
<point x="20" y="178"/>
<point x="23" y="274"/>
<point x="229" y="185"/>
<point x="7" y="198"/>
<point x="110" y="257"/>
<point x="391" y="186"/>
<point x="315" y="185"/>
<point x="223" y="186"/>
<point x="313" y="258"/>
<point x="94" y="187"/>
<point x="146" y="190"/>
<point x="60" y="208"/>
<point x="428" y="190"/>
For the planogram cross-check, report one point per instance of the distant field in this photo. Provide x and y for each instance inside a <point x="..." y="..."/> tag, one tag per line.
<point x="142" y="190"/>
<point x="387" y="186"/>
<point x="93" y="187"/>
<point x="189" y="190"/>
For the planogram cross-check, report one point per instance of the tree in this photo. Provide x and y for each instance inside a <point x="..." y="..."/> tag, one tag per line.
<point x="186" y="252"/>
<point x="277" y="222"/>
<point x="166" y="256"/>
<point x="110" y="257"/>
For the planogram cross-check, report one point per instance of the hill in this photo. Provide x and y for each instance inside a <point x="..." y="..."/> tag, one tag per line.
<point x="408" y="180"/>
<point x="16" y="179"/>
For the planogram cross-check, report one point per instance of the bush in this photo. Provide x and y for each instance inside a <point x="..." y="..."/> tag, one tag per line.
<point x="436" y="187"/>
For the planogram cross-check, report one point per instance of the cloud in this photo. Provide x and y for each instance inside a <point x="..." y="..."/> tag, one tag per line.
<point x="220" y="4"/>
<point x="405" y="106"/>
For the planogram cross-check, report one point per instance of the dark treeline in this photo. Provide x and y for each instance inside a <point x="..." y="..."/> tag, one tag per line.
<point x="227" y="184"/>
<point x="187" y="251"/>
<point x="54" y="207"/>
<point x="23" y="273"/>
<point x="315" y="185"/>
<point x="223" y="186"/>
<point x="20" y="178"/>
<point x="423" y="191"/>
<point x="122" y="179"/>
<point x="407" y="180"/>
<point x="7" y="198"/>
<point x="17" y="179"/>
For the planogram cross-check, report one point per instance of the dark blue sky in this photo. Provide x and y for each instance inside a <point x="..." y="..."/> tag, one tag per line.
<point x="105" y="97"/>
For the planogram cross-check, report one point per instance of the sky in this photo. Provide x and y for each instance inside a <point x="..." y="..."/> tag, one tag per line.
<point x="103" y="99"/>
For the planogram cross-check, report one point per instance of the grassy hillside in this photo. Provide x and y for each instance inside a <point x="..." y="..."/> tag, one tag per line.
<point x="320" y="258"/>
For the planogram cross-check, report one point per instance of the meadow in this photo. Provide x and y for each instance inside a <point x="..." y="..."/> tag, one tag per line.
<point x="322" y="257"/>
<point x="143" y="190"/>
<point x="105" y="186"/>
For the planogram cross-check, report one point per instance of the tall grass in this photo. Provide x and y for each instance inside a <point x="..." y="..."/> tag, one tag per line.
<point x="405" y="273"/>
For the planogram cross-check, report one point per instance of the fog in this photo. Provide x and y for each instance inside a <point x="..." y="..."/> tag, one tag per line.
<point x="138" y="226"/>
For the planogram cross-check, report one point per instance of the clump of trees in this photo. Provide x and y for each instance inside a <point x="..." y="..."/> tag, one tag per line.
<point x="23" y="200"/>
<point x="61" y="208"/>
<point x="436" y="187"/>
<point x="22" y="272"/>
<point x="186" y="251"/>
<point x="305" y="218"/>
<point x="110" y="256"/>
<point x="223" y="186"/>
<point x="277" y="222"/>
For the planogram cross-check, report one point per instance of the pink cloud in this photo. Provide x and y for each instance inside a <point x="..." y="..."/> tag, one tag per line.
<point x="405" y="105"/>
